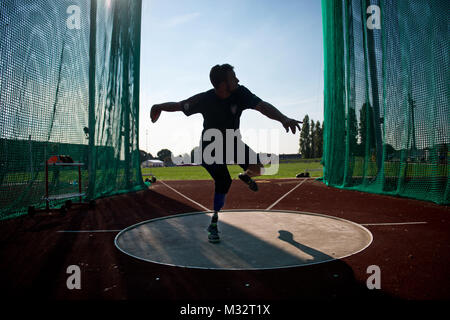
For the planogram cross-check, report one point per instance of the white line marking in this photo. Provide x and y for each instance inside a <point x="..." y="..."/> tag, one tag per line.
<point x="275" y="203"/>
<point x="201" y="206"/>
<point x="392" y="224"/>
<point x="86" y="231"/>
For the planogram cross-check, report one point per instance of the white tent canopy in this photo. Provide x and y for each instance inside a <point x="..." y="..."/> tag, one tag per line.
<point x="152" y="163"/>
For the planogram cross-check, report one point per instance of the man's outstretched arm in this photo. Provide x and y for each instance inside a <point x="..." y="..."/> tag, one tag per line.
<point x="168" y="106"/>
<point x="273" y="113"/>
<point x="173" y="106"/>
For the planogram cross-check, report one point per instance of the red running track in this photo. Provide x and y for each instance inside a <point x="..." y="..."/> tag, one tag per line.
<point x="413" y="258"/>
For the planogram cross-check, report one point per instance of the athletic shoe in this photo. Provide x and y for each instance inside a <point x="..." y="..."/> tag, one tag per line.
<point x="213" y="233"/>
<point x="249" y="181"/>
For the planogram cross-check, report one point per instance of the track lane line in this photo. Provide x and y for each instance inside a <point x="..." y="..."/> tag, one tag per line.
<point x="393" y="223"/>
<point x="363" y="224"/>
<point x="276" y="202"/>
<point x="186" y="197"/>
<point x="100" y="231"/>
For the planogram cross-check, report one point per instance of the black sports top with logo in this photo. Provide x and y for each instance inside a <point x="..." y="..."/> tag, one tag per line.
<point x="220" y="113"/>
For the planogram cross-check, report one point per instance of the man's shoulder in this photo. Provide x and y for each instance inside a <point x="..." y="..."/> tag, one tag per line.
<point x="247" y="98"/>
<point x="243" y="91"/>
<point x="209" y="92"/>
<point x="206" y="95"/>
<point x="241" y="88"/>
<point x="199" y="97"/>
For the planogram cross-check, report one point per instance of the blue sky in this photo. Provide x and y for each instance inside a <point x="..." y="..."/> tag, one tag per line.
<point x="275" y="46"/>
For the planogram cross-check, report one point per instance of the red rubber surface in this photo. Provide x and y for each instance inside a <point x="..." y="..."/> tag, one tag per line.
<point x="413" y="259"/>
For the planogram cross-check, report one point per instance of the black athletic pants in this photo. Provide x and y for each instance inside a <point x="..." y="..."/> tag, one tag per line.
<point x="219" y="171"/>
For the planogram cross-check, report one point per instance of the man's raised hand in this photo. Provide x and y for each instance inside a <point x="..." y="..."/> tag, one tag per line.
<point x="155" y="113"/>
<point x="291" y="124"/>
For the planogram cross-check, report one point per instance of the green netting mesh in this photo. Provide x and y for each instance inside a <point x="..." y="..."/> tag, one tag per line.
<point x="69" y="85"/>
<point x="386" y="101"/>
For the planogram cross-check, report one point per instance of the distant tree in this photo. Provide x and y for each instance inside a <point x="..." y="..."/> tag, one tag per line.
<point x="313" y="138"/>
<point x="144" y="156"/>
<point x="320" y="140"/>
<point x="168" y="162"/>
<point x="442" y="152"/>
<point x="389" y="148"/>
<point x="412" y="123"/>
<point x="317" y="140"/>
<point x="353" y="131"/>
<point x="366" y="128"/>
<point x="195" y="154"/>
<point x="305" y="139"/>
<point x="163" y="154"/>
<point x="390" y="152"/>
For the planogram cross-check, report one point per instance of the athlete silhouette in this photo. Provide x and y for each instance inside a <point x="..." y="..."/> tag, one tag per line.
<point x="221" y="108"/>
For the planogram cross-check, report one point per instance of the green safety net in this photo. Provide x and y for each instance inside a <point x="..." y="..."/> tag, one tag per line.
<point x="386" y="103"/>
<point x="69" y="85"/>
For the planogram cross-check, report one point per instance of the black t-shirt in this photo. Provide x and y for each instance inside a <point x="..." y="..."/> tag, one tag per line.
<point x="220" y="113"/>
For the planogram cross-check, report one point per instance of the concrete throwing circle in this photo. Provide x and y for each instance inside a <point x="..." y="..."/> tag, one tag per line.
<point x="250" y="239"/>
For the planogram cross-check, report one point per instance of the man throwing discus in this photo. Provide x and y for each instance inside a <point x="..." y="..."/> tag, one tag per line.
<point x="221" y="108"/>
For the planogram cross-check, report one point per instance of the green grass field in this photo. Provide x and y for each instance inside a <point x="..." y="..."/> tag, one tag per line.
<point x="286" y="170"/>
<point x="291" y="169"/>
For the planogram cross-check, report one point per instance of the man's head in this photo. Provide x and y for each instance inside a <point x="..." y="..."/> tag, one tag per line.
<point x="223" y="78"/>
